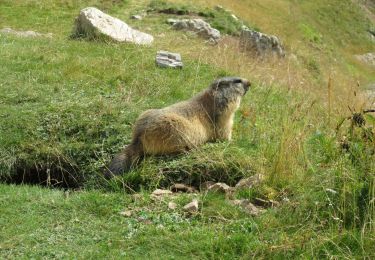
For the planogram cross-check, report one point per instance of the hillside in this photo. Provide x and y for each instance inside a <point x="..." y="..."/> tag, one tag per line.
<point x="68" y="105"/>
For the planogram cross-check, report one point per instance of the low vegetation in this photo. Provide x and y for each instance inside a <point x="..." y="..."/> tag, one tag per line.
<point x="67" y="105"/>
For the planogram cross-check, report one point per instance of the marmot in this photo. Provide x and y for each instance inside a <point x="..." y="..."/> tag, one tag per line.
<point x="206" y="117"/>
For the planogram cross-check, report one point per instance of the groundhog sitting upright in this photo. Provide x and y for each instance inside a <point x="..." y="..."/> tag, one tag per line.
<point x="208" y="116"/>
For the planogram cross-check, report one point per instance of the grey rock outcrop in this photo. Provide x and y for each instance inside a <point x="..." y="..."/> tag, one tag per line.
<point x="167" y="59"/>
<point x="260" y="43"/>
<point x="31" y="34"/>
<point x="93" y="23"/>
<point x="198" y="26"/>
<point x="368" y="58"/>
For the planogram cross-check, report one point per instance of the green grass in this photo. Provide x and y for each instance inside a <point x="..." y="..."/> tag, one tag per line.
<point x="40" y="223"/>
<point x="67" y="106"/>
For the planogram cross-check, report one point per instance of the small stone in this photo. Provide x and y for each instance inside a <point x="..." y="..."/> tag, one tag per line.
<point x="160" y="193"/>
<point x="219" y="7"/>
<point x="136" y="17"/>
<point x="167" y="59"/>
<point x="248" y="207"/>
<point x="331" y="191"/>
<point x="172" y="205"/>
<point x="126" y="213"/>
<point x="220" y="187"/>
<point x="192" y="206"/>
<point x="179" y="187"/>
<point x="250" y="182"/>
<point x="172" y="21"/>
<point x="234" y="17"/>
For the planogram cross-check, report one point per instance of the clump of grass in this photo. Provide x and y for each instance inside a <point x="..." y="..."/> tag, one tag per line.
<point x="218" y="162"/>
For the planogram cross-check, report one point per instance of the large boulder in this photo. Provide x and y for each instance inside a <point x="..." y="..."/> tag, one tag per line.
<point x="93" y="23"/>
<point x="198" y="26"/>
<point x="260" y="43"/>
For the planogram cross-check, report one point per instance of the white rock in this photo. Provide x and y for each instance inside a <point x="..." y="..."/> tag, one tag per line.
<point x="172" y="205"/>
<point x="172" y="21"/>
<point x="167" y="59"/>
<point x="192" y="206"/>
<point x="260" y="43"/>
<point x="234" y="17"/>
<point x="331" y="191"/>
<point x="137" y="17"/>
<point x="93" y="23"/>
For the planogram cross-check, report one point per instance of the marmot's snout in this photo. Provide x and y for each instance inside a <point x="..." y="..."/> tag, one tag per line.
<point x="246" y="85"/>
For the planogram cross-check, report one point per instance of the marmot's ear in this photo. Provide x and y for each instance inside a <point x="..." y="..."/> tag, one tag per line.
<point x="237" y="81"/>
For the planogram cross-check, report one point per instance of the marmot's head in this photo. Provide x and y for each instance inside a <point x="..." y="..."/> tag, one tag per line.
<point x="228" y="90"/>
<point x="232" y="86"/>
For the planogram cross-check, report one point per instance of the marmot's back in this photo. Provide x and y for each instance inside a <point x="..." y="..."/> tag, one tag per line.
<point x="173" y="129"/>
<point x="184" y="125"/>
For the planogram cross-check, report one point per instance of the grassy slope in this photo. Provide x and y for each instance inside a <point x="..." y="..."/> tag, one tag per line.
<point x="84" y="225"/>
<point x="70" y="104"/>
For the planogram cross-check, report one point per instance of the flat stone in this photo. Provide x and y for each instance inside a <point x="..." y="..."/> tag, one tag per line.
<point x="179" y="187"/>
<point x="93" y="23"/>
<point x="192" y="206"/>
<point x="167" y="59"/>
<point x="30" y="34"/>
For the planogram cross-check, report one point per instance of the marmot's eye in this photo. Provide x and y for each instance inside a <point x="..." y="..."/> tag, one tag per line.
<point x="237" y="81"/>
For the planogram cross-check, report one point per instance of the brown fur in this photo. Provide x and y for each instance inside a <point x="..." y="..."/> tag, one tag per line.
<point x="206" y="117"/>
